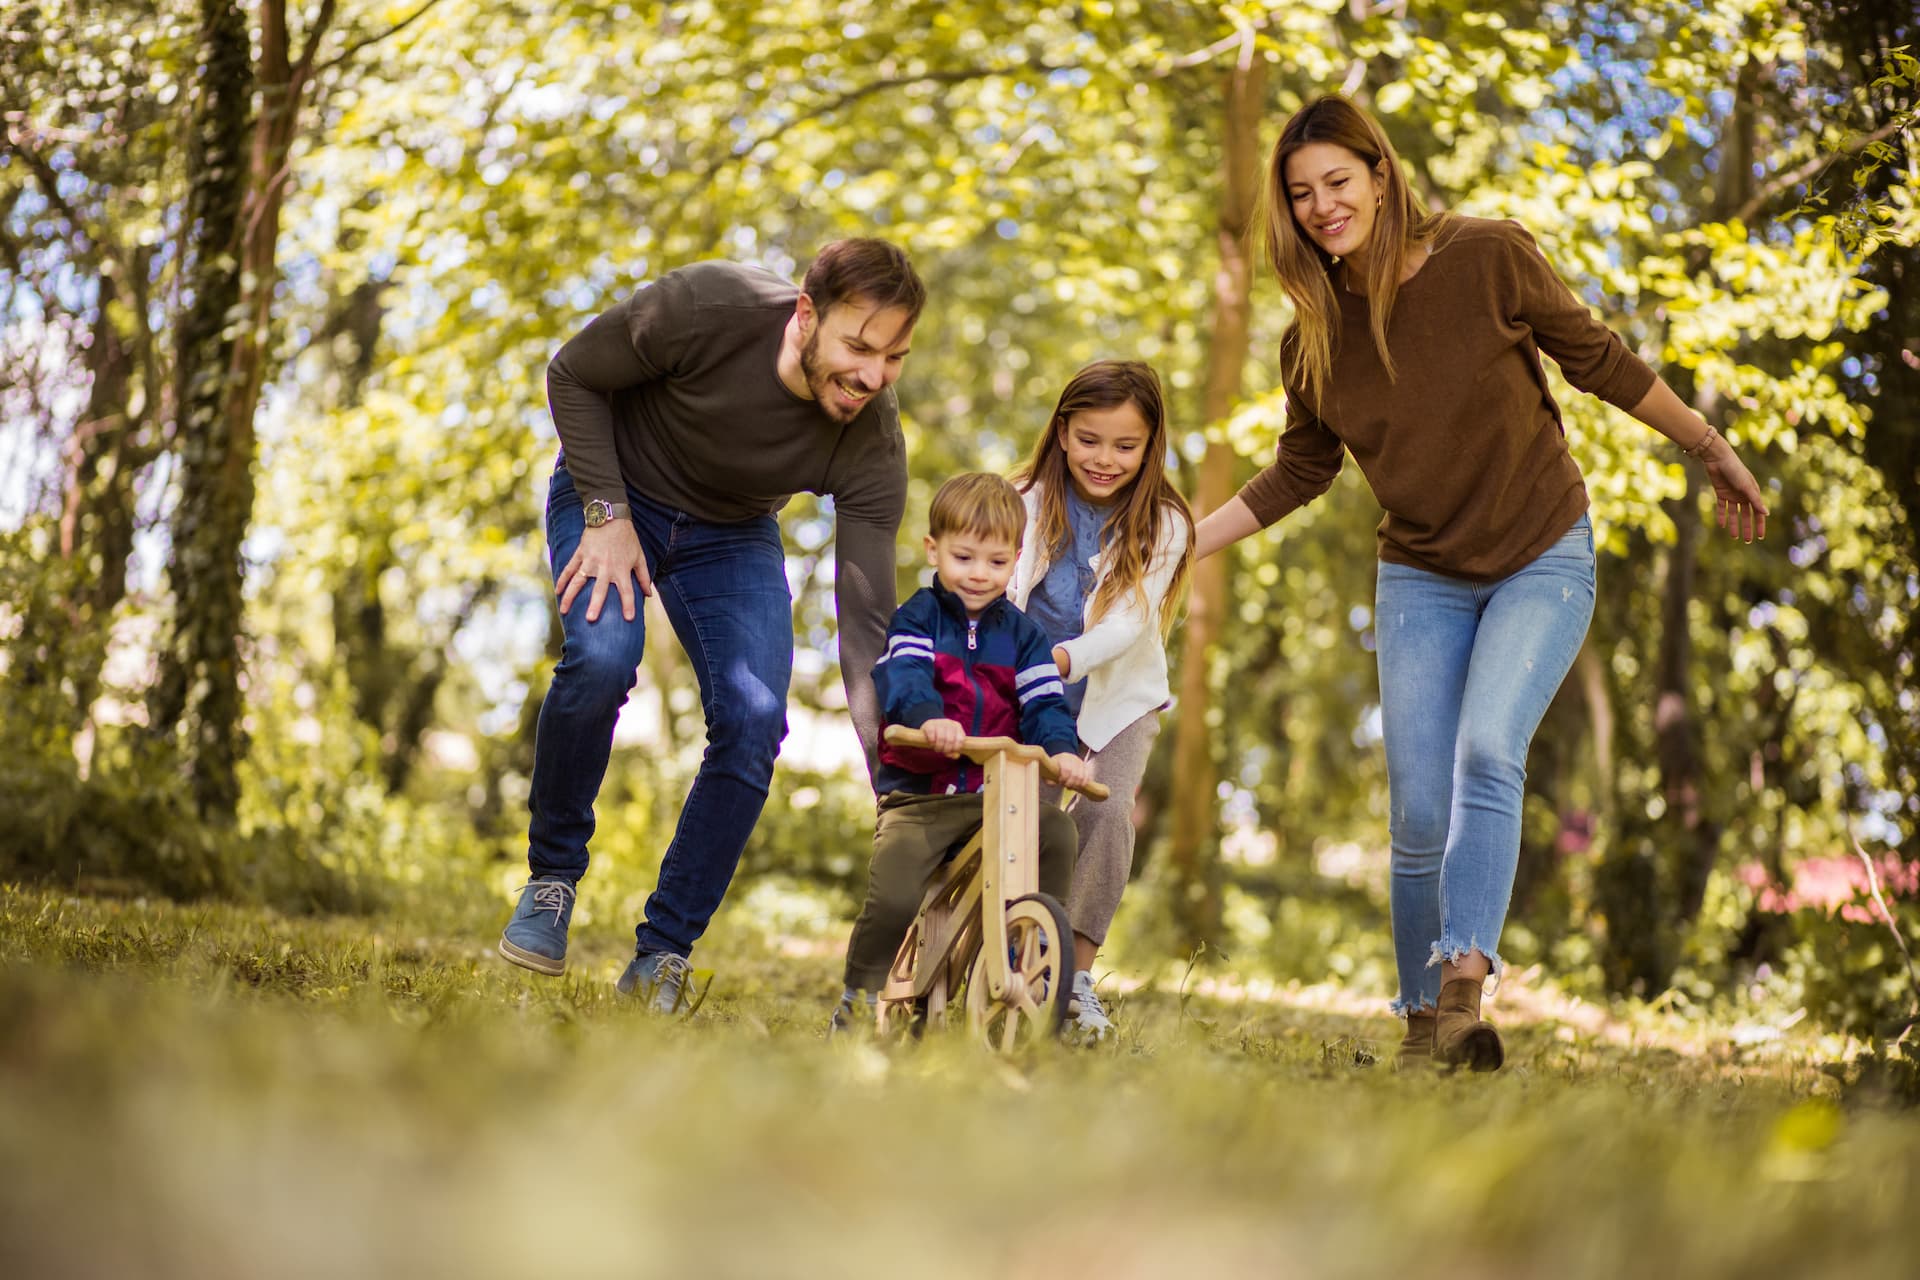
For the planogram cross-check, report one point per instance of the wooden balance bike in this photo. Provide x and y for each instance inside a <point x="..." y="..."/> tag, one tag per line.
<point x="985" y="935"/>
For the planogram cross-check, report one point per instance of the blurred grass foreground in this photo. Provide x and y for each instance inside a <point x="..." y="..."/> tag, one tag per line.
<point x="214" y="1090"/>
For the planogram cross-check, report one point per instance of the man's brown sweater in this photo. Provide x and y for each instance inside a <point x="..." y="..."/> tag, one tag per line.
<point x="1464" y="447"/>
<point x="676" y="393"/>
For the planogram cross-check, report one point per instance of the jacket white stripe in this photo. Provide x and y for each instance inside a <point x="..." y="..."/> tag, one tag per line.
<point x="909" y="647"/>
<point x="1042" y="689"/>
<point x="1038" y="671"/>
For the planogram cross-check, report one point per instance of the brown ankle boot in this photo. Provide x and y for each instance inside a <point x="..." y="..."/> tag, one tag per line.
<point x="1416" y="1049"/>
<point x="1460" y="1038"/>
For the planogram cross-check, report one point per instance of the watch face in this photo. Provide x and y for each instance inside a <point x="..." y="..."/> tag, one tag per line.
<point x="597" y="513"/>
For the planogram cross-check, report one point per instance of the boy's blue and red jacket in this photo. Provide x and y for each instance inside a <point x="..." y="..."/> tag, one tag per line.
<point x="994" y="674"/>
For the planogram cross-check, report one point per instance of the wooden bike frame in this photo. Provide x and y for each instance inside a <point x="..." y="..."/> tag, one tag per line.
<point x="965" y="911"/>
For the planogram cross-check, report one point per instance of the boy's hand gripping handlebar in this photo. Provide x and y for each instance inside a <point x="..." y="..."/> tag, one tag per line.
<point x="980" y="750"/>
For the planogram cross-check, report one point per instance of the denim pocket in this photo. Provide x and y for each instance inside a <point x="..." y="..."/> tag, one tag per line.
<point x="1584" y="527"/>
<point x="1573" y="552"/>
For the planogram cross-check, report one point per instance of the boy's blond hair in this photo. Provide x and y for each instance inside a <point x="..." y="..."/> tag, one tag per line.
<point x="984" y="505"/>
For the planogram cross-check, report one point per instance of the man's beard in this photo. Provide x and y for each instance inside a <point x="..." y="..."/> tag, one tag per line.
<point x="820" y="383"/>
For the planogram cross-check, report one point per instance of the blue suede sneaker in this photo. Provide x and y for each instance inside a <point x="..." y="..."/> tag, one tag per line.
<point x="662" y="980"/>
<point x="536" y="937"/>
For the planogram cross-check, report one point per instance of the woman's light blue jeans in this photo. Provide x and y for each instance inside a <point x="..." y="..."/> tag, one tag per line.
<point x="1466" y="672"/>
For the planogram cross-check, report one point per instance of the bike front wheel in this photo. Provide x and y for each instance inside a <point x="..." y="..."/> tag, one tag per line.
<point x="1040" y="977"/>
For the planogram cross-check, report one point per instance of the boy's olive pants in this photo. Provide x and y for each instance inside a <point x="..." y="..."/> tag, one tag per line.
<point x="911" y="840"/>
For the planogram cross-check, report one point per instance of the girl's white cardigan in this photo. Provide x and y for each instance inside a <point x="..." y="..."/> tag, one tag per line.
<point x="1121" y="656"/>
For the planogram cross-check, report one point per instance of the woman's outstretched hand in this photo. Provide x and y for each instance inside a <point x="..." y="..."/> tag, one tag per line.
<point x="1738" y="506"/>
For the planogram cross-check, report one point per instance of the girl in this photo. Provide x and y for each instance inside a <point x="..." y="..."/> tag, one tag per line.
<point x="1415" y="346"/>
<point x="1108" y="547"/>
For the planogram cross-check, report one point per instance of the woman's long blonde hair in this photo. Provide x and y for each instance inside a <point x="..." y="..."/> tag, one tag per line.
<point x="1134" y="528"/>
<point x="1402" y="224"/>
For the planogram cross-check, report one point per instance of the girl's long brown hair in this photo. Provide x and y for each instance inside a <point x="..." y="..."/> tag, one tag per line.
<point x="1134" y="528"/>
<point x="1401" y="226"/>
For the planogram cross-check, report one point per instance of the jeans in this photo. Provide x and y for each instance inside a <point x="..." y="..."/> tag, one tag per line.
<point x="1466" y="673"/>
<point x="724" y="589"/>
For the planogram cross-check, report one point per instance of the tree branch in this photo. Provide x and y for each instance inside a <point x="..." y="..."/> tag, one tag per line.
<point x="851" y="96"/>
<point x="1208" y="54"/>
<point x="1793" y="177"/>
<point x="1242" y="39"/>
<point x="1893" y="926"/>
<point x="49" y="182"/>
<point x="346" y="54"/>
<point x="304" y="67"/>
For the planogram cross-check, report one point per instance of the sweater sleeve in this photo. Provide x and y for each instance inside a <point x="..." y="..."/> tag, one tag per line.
<point x="636" y="342"/>
<point x="1045" y="720"/>
<point x="1591" y="356"/>
<point x="863" y="595"/>
<point x="868" y="503"/>
<point x="1306" y="461"/>
<point x="1127" y="620"/>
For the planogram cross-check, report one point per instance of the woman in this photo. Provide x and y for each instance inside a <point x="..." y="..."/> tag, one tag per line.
<point x="1415" y="347"/>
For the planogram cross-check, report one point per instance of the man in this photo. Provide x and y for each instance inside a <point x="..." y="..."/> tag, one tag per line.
<point x="687" y="416"/>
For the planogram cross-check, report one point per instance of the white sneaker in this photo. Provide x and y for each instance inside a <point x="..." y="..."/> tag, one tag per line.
<point x="1087" y="1019"/>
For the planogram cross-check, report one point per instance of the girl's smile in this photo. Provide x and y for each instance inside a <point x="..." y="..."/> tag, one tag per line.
<point x="1104" y="448"/>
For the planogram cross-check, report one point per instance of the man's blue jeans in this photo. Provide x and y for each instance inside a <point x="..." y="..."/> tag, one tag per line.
<point x="724" y="588"/>
<point x="1466" y="672"/>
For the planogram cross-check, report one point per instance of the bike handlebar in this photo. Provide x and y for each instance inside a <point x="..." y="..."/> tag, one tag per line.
<point x="980" y="750"/>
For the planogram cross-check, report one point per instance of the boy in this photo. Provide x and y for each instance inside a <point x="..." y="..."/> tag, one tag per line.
<point x="961" y="662"/>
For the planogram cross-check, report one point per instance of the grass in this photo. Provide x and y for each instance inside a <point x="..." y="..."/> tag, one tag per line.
<point x="212" y="1091"/>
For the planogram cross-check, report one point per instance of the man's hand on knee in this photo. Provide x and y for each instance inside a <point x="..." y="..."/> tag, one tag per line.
<point x="607" y="555"/>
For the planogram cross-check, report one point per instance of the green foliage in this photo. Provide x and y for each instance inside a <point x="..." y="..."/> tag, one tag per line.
<point x="1852" y="971"/>
<point x="131" y="829"/>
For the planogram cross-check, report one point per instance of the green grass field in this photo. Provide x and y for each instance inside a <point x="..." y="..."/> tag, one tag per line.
<point x="211" y="1091"/>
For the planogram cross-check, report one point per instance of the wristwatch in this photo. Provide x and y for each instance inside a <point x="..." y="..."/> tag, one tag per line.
<point x="599" y="511"/>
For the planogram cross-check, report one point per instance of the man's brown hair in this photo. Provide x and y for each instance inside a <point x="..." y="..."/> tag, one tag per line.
<point x="866" y="270"/>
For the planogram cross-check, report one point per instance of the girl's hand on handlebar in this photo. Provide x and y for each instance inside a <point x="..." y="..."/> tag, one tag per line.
<point x="1074" y="771"/>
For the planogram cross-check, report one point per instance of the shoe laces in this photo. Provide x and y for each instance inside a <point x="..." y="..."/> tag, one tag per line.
<point x="552" y="895"/>
<point x="1090" y="1006"/>
<point x="672" y="969"/>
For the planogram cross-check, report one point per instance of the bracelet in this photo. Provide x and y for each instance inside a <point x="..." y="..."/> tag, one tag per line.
<point x="1706" y="443"/>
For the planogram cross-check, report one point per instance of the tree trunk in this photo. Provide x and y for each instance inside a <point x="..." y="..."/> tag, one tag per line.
<point x="1655" y="879"/>
<point x="1676" y="733"/>
<point x="1676" y="744"/>
<point x="63" y="635"/>
<point x="1194" y="805"/>
<point x="97" y="512"/>
<point x="233" y="228"/>
<point x="198" y="693"/>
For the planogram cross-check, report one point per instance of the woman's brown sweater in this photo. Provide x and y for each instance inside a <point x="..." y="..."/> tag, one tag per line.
<point x="1464" y="446"/>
